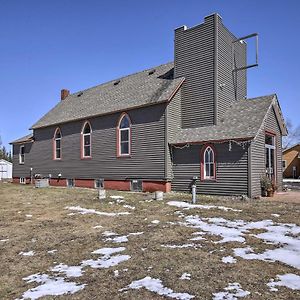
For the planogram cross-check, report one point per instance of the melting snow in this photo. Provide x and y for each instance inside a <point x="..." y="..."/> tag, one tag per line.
<point x="185" y="276"/>
<point x="228" y="260"/>
<point x="70" y="271"/>
<point x="186" y="205"/>
<point x="233" y="291"/>
<point x="50" y="286"/>
<point x="29" y="253"/>
<point x="156" y="286"/>
<point x="28" y="216"/>
<point x="122" y="238"/>
<point x="180" y="246"/>
<point x="52" y="251"/>
<point x="116" y="197"/>
<point x="155" y="221"/>
<point x="4" y="240"/>
<point x="275" y="215"/>
<point x="85" y="211"/>
<point x="97" y="226"/>
<point x="290" y="281"/>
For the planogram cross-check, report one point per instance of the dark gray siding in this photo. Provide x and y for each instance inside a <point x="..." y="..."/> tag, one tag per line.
<point x="231" y="86"/>
<point x="147" y="153"/>
<point x="231" y="170"/>
<point x="258" y="153"/>
<point x="194" y="59"/>
<point x="173" y="125"/>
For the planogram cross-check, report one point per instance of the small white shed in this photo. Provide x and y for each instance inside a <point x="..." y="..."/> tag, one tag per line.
<point x="5" y="169"/>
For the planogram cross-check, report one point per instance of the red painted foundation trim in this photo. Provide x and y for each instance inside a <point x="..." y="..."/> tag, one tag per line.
<point x="85" y="183"/>
<point x="17" y="180"/>
<point x="153" y="186"/>
<point x="58" y="182"/>
<point x="117" y="185"/>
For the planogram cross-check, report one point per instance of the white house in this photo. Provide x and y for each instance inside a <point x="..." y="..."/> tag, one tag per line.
<point x="5" y="169"/>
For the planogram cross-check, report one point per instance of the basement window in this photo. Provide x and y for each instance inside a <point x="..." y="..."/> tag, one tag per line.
<point x="136" y="185"/>
<point x="22" y="180"/>
<point x="70" y="183"/>
<point x="99" y="183"/>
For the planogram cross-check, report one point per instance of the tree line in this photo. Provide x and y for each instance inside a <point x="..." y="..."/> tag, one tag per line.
<point x="5" y="154"/>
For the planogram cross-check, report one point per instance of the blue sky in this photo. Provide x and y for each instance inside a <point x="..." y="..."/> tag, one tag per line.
<point x="49" y="45"/>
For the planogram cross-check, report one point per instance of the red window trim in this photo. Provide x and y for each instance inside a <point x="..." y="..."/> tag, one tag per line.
<point x="202" y="163"/>
<point x="54" y="145"/>
<point x="119" y="155"/>
<point x="82" y="141"/>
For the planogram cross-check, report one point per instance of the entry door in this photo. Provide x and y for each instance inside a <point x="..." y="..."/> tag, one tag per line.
<point x="270" y="157"/>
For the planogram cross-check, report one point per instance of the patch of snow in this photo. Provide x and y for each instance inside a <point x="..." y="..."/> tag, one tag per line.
<point x="85" y="211"/>
<point x="185" y="276"/>
<point x="107" y="260"/>
<point x="156" y="286"/>
<point x="275" y="215"/>
<point x="116" y="273"/>
<point x="50" y="286"/>
<point x="155" y="221"/>
<point x="29" y="253"/>
<point x="69" y="271"/>
<point x="233" y="291"/>
<point x="290" y="281"/>
<point x="228" y="260"/>
<point x="97" y="226"/>
<point x="136" y="233"/>
<point x="129" y="206"/>
<point x="179" y="246"/>
<point x="108" y="233"/>
<point x="52" y="251"/>
<point x="4" y="240"/>
<point x="198" y="238"/>
<point x="116" y="197"/>
<point x="28" y="216"/>
<point x="118" y="239"/>
<point x="186" y="205"/>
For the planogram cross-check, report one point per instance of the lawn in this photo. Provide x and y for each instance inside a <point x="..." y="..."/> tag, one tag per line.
<point x="66" y="243"/>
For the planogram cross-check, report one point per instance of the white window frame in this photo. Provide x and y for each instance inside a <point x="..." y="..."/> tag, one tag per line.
<point x="271" y="171"/>
<point x="55" y="144"/>
<point x="22" y="180"/>
<point x="22" y="156"/>
<point x="128" y="129"/>
<point x="209" y="176"/>
<point x="83" y="146"/>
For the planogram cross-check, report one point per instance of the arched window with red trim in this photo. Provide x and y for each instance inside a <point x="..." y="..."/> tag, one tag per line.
<point x="208" y="164"/>
<point x="86" y="140"/>
<point x="57" y="144"/>
<point x="124" y="136"/>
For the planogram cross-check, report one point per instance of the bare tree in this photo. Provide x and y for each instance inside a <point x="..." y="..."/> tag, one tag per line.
<point x="293" y="136"/>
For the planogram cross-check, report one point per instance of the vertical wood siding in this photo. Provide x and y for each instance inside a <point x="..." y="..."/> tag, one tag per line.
<point x="258" y="154"/>
<point x="194" y="59"/>
<point x="147" y="152"/>
<point x="231" y="170"/>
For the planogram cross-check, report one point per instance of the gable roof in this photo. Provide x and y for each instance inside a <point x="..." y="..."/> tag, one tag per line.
<point x="136" y="90"/>
<point x="5" y="161"/>
<point x="289" y="148"/>
<point x="25" y="139"/>
<point x="241" y="121"/>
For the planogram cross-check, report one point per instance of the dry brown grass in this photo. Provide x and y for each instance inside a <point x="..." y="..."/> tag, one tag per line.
<point x="74" y="237"/>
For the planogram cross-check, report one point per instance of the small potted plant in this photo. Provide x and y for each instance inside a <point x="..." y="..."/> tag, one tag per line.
<point x="266" y="187"/>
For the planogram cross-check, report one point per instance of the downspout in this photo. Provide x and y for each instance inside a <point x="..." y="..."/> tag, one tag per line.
<point x="166" y="142"/>
<point x="216" y="37"/>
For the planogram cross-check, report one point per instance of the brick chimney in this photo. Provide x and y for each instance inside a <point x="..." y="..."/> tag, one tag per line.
<point x="64" y="94"/>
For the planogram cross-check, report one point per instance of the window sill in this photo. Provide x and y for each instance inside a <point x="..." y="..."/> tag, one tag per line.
<point x="86" y="157"/>
<point x="209" y="180"/>
<point x="21" y="163"/>
<point x="124" y="156"/>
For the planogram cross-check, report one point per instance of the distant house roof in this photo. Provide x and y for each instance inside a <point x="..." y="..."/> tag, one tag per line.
<point x="241" y="121"/>
<point x="148" y="87"/>
<point x="289" y="148"/>
<point x="25" y="139"/>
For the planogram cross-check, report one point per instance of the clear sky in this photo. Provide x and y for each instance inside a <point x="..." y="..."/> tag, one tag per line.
<point x="49" y="45"/>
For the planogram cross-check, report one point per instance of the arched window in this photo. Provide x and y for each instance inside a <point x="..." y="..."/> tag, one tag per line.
<point x="208" y="164"/>
<point x="57" y="144"/>
<point x="124" y="136"/>
<point x="86" y="141"/>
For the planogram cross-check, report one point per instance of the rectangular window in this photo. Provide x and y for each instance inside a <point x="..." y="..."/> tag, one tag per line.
<point x="22" y="180"/>
<point x="70" y="183"/>
<point x="284" y="164"/>
<point x="87" y="145"/>
<point x="99" y="183"/>
<point x="270" y="156"/>
<point x="22" y="155"/>
<point x="58" y="149"/>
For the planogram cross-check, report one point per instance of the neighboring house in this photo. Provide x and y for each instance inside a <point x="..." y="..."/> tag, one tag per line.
<point x="291" y="162"/>
<point x="163" y="128"/>
<point x="5" y="170"/>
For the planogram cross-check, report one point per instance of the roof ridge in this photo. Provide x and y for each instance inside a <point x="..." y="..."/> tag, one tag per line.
<point x="120" y="78"/>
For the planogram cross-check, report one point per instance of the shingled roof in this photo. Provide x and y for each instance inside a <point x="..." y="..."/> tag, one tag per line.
<point x="25" y="139"/>
<point x="241" y="121"/>
<point x="148" y="87"/>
